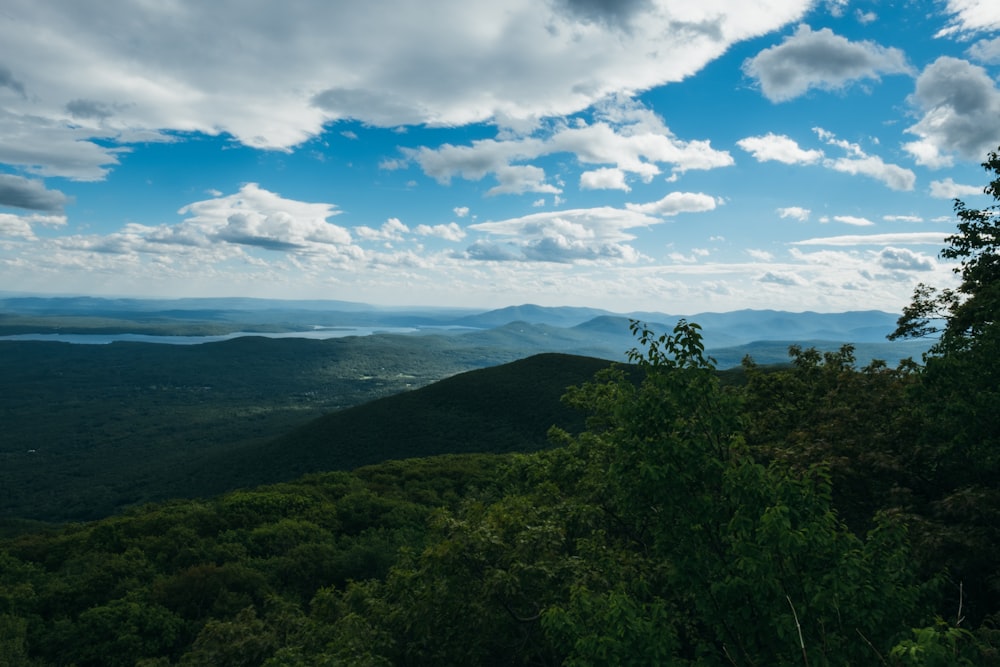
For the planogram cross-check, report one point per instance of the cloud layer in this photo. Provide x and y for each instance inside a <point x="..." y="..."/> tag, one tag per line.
<point x="273" y="76"/>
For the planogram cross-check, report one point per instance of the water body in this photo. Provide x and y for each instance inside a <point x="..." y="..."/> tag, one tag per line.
<point x="104" y="339"/>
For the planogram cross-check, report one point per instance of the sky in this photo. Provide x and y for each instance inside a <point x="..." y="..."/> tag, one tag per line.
<point x="662" y="155"/>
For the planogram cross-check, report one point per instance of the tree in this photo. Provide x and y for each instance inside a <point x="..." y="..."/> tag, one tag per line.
<point x="969" y="310"/>
<point x="652" y="537"/>
<point x="958" y="399"/>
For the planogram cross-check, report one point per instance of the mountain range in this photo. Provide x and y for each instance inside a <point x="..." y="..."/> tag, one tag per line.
<point x="528" y="328"/>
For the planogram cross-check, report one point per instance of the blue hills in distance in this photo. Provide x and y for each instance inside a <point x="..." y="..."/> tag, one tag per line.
<point x="526" y="328"/>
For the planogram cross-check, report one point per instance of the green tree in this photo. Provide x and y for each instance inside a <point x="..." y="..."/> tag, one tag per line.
<point x="653" y="537"/>
<point x="959" y="400"/>
<point x="970" y="310"/>
<point x="859" y="423"/>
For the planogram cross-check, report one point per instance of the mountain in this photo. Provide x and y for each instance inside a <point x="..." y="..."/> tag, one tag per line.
<point x="563" y="316"/>
<point x="507" y="408"/>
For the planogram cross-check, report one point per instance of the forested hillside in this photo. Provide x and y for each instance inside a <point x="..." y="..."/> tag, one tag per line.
<point x="816" y="514"/>
<point x="87" y="435"/>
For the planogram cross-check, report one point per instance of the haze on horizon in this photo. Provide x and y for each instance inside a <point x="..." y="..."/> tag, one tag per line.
<point x="641" y="155"/>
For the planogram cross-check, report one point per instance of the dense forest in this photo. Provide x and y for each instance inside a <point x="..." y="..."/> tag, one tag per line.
<point x="819" y="513"/>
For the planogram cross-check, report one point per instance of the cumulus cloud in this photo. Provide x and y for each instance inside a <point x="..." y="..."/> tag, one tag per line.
<point x="520" y="178"/>
<point x="949" y="189"/>
<point x="252" y="218"/>
<point x="902" y="218"/>
<point x="603" y="223"/>
<point x="15" y="226"/>
<point x="572" y="235"/>
<point x="391" y="230"/>
<point x="986" y="51"/>
<point x="563" y="236"/>
<point x="51" y="148"/>
<point x="606" y="178"/>
<point x="971" y="16"/>
<point x="820" y="59"/>
<point x="782" y="278"/>
<point x="795" y="212"/>
<point x="625" y="135"/>
<point x="903" y="259"/>
<point x="676" y="203"/>
<point x="450" y="232"/>
<point x="26" y="193"/>
<point x="893" y="176"/>
<point x="22" y="226"/>
<point x="858" y="162"/>
<point x="274" y="78"/>
<point x="865" y="18"/>
<point x="759" y="255"/>
<point x="779" y="148"/>
<point x="461" y="211"/>
<point x="961" y="113"/>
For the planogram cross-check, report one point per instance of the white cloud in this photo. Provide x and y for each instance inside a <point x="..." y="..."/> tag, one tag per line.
<point x="391" y="230"/>
<point x="625" y="135"/>
<point x="949" y="189"/>
<point x="893" y="176"/>
<point x="49" y="147"/>
<point x="986" y="51"/>
<point x="682" y="258"/>
<point x="223" y="229"/>
<point x="796" y="212"/>
<point x="274" y="77"/>
<point x="782" y="278"/>
<point x="606" y="178"/>
<point x="675" y="203"/>
<point x="905" y="238"/>
<point x="22" y="226"/>
<point x="865" y="18"/>
<point x="859" y="162"/>
<point x="837" y="7"/>
<point x="783" y="149"/>
<point x="971" y="16"/>
<point x="821" y="60"/>
<point x="587" y="234"/>
<point x="15" y="226"/>
<point x="903" y="259"/>
<point x="450" y="232"/>
<point x="780" y="148"/>
<point x="902" y="218"/>
<point x="520" y="178"/>
<point x="853" y="220"/>
<point x="604" y="224"/>
<point x="759" y="255"/>
<point x="461" y="211"/>
<point x="961" y="113"/>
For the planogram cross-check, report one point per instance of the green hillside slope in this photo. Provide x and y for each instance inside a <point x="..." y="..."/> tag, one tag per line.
<point x="500" y="409"/>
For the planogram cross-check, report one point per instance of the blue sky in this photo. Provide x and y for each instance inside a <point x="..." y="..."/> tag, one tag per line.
<point x="632" y="155"/>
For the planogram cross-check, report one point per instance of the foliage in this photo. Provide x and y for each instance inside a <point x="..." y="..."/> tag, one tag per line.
<point x="969" y="311"/>
<point x="956" y="401"/>
<point x="654" y="537"/>
<point x="92" y="429"/>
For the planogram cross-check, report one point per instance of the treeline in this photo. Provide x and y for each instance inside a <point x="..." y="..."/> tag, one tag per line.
<point x="818" y="514"/>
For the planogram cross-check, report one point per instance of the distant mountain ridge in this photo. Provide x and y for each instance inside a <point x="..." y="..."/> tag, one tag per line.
<point x="765" y="324"/>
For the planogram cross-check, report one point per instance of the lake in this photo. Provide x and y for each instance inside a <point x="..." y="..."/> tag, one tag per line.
<point x="104" y="339"/>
